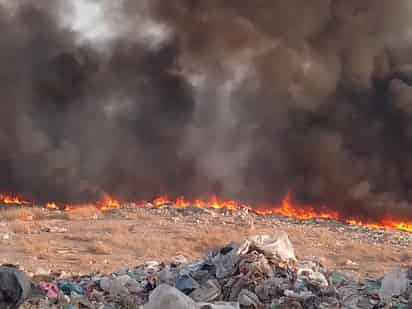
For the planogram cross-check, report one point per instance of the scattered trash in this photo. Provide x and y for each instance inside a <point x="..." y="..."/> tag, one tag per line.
<point x="249" y="299"/>
<point x="167" y="297"/>
<point x="186" y="284"/>
<point x="69" y="288"/>
<point x="115" y="286"/>
<point x="394" y="284"/>
<point x="276" y="245"/>
<point x="312" y="277"/>
<point x="41" y="272"/>
<point x="15" y="287"/>
<point x="210" y="291"/>
<point x="261" y="272"/>
<point x="50" y="289"/>
<point x="226" y="260"/>
<point x="53" y="229"/>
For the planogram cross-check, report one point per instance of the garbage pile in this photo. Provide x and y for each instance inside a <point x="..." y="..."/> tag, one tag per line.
<point x="259" y="273"/>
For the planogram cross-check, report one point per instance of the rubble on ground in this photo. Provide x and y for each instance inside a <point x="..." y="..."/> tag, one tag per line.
<point x="261" y="272"/>
<point x="398" y="239"/>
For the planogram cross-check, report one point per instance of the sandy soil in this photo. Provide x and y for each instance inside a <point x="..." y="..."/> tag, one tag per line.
<point x="86" y="240"/>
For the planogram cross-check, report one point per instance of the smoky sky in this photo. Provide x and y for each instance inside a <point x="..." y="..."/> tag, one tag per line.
<point x="248" y="100"/>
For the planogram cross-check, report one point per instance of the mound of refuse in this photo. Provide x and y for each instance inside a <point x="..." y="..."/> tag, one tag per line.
<point x="261" y="272"/>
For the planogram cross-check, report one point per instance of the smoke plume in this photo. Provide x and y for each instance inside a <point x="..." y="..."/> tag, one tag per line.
<point x="248" y="101"/>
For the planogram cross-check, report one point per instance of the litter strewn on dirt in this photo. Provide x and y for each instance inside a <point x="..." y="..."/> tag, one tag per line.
<point x="260" y="272"/>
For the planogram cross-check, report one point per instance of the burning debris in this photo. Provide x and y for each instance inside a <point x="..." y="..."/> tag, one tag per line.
<point x="299" y="109"/>
<point x="12" y="200"/>
<point x="287" y="208"/>
<point x="77" y="242"/>
<point x="307" y="97"/>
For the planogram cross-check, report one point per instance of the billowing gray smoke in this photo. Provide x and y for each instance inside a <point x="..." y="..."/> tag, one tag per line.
<point x="244" y="99"/>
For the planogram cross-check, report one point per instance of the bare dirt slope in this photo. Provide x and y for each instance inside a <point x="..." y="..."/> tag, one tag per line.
<point x="87" y="240"/>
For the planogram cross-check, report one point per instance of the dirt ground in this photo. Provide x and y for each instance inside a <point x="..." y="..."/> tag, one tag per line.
<point x="86" y="240"/>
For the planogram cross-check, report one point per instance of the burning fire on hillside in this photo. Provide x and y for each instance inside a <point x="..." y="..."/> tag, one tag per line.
<point x="288" y="207"/>
<point x="13" y="199"/>
<point x="212" y="97"/>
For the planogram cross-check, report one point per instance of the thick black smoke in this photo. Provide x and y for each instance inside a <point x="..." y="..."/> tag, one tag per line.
<point x="248" y="100"/>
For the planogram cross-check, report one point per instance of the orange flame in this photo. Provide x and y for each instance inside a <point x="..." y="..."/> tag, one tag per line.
<point x="105" y="204"/>
<point x="12" y="199"/>
<point x="161" y="200"/>
<point x="108" y="203"/>
<point x="51" y="206"/>
<point x="386" y="223"/>
<point x="70" y="207"/>
<point x="181" y="202"/>
<point x="303" y="212"/>
<point x="405" y="226"/>
<point x="287" y="208"/>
